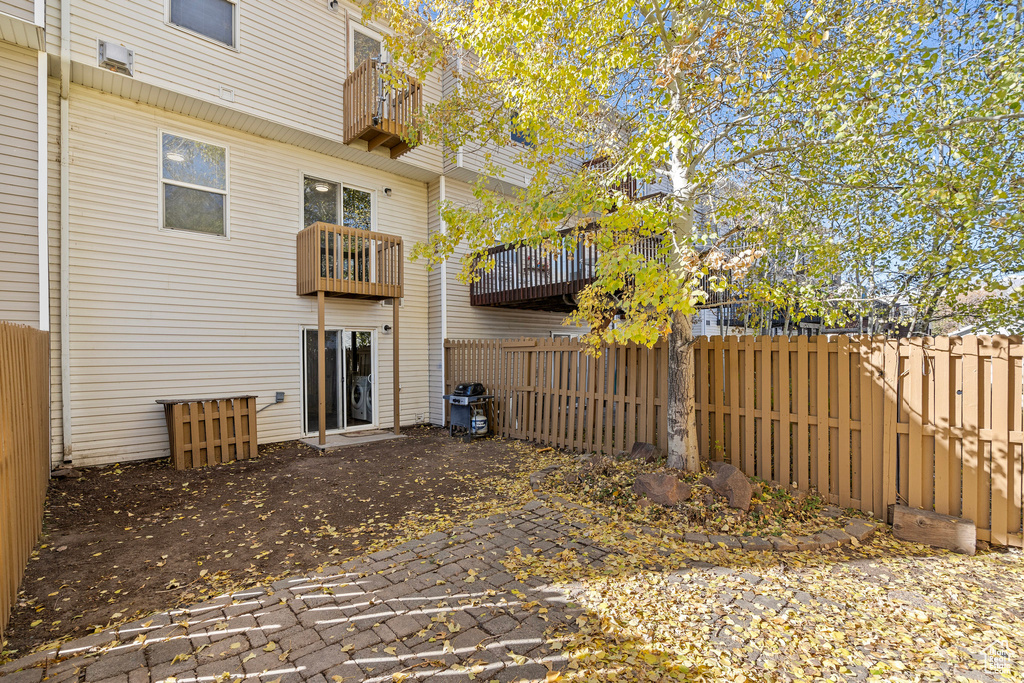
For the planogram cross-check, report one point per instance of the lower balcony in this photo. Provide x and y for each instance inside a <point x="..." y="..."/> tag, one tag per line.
<point x="349" y="262"/>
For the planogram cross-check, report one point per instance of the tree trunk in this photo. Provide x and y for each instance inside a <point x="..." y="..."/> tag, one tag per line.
<point x="682" y="415"/>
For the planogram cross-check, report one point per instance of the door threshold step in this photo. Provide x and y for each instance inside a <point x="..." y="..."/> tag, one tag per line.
<point x="343" y="440"/>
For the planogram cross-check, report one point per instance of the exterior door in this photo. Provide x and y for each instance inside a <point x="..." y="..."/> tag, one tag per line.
<point x="311" y="401"/>
<point x="351" y="396"/>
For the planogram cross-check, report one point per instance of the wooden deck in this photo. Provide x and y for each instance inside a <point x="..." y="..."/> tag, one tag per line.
<point x="521" y="276"/>
<point x="348" y="262"/>
<point x="378" y="112"/>
<point x="531" y="278"/>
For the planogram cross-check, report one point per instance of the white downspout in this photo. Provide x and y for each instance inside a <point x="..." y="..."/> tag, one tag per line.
<point x="65" y="227"/>
<point x="42" y="123"/>
<point x="444" y="295"/>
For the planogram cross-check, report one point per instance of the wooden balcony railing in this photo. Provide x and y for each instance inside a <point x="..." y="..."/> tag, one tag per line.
<point x="626" y="185"/>
<point x="532" y="278"/>
<point x="379" y="113"/>
<point x="349" y="262"/>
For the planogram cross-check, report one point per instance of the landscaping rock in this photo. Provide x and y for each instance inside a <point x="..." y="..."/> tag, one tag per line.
<point x="66" y="473"/>
<point x="862" y="531"/>
<point x="644" y="452"/>
<point x="732" y="485"/>
<point x="783" y="545"/>
<point x="756" y="543"/>
<point x="662" y="488"/>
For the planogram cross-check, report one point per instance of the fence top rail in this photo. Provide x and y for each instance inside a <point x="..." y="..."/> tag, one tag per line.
<point x="986" y="345"/>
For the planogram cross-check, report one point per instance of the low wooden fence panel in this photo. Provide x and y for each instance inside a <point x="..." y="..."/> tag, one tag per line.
<point x="24" y="451"/>
<point x="552" y="392"/>
<point x="211" y="431"/>
<point x="933" y="423"/>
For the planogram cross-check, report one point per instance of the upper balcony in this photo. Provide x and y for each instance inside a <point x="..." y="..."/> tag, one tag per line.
<point x="532" y="278"/>
<point x="378" y="112"/>
<point x="349" y="262"/>
<point x="521" y="276"/>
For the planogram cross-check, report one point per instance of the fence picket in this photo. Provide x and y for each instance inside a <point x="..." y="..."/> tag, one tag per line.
<point x="847" y="416"/>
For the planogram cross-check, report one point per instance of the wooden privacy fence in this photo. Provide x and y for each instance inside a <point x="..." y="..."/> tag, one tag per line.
<point x="24" y="451"/>
<point x="210" y="431"/>
<point x="934" y="423"/>
<point x="550" y="391"/>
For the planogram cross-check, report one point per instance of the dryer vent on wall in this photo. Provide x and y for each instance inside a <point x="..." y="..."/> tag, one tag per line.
<point x="116" y="57"/>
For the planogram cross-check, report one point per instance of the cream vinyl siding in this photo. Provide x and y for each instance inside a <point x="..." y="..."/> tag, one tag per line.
<point x="469" y="162"/>
<point x="167" y="314"/>
<point x="489" y="322"/>
<point x="21" y="9"/>
<point x="19" y="183"/>
<point x="434" y="309"/>
<point x="289" y="67"/>
<point x="485" y="322"/>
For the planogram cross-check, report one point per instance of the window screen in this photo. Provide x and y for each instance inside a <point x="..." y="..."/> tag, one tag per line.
<point x="194" y="178"/>
<point x="212" y="18"/>
<point x="363" y="47"/>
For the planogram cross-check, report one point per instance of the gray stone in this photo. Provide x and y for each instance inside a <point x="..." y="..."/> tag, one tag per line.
<point x="825" y="541"/>
<point x="732" y="485"/>
<point x="725" y="540"/>
<point x="860" y="530"/>
<point x="113" y="664"/>
<point x="25" y="676"/>
<point x="756" y="543"/>
<point x="806" y="543"/>
<point x="783" y="545"/>
<point x="691" y="537"/>
<point x="840" y="535"/>
<point x="321" y="660"/>
<point x="403" y="625"/>
<point x="662" y="488"/>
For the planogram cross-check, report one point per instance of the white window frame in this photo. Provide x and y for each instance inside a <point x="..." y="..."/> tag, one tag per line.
<point x="341" y="198"/>
<point x="234" y="26"/>
<point x="161" y="181"/>
<point x="354" y="26"/>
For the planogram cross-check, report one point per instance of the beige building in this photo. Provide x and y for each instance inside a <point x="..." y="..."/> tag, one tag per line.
<point x="158" y="159"/>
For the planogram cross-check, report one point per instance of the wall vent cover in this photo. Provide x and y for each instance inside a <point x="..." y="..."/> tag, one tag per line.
<point x="116" y="57"/>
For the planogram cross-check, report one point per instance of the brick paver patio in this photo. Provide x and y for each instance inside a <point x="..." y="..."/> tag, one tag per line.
<point x="441" y="608"/>
<point x="437" y="608"/>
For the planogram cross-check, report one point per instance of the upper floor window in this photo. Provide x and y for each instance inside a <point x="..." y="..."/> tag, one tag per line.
<point x="214" y="19"/>
<point x="364" y="43"/>
<point x="327" y="202"/>
<point x="516" y="134"/>
<point x="194" y="181"/>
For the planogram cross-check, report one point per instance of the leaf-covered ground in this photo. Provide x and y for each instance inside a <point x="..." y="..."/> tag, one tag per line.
<point x="605" y="485"/>
<point x="128" y="540"/>
<point x="884" y="611"/>
<point x="654" y="610"/>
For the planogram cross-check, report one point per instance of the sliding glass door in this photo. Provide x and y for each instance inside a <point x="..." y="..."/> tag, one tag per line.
<point x="350" y="357"/>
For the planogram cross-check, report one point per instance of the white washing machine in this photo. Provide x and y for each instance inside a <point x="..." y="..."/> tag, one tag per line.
<point x="360" y="400"/>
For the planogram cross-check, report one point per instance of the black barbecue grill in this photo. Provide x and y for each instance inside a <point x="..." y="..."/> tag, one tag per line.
<point x="467" y="404"/>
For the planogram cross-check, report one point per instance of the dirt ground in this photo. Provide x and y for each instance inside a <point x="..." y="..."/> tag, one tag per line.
<point x="127" y="540"/>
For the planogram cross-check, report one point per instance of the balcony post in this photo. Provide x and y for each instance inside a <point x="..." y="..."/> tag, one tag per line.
<point x="321" y="368"/>
<point x="395" y="305"/>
